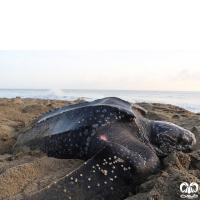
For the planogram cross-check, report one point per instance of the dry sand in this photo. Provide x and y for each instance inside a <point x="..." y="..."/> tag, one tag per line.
<point x="29" y="171"/>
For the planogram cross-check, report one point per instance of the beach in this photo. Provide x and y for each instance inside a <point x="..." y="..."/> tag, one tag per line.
<point x="26" y="171"/>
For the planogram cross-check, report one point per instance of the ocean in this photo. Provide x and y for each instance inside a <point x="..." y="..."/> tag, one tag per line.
<point x="188" y="100"/>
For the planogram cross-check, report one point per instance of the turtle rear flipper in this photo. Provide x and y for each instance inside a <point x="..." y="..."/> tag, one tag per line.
<point x="111" y="174"/>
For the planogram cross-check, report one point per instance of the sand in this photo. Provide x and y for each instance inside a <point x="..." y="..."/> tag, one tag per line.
<point x="28" y="171"/>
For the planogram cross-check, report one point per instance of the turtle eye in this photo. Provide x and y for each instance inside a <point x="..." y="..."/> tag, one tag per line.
<point x="180" y="140"/>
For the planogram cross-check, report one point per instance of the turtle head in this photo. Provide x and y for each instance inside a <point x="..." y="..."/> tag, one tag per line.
<point x="167" y="137"/>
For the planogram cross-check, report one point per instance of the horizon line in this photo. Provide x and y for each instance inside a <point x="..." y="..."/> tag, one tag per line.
<point x="98" y="89"/>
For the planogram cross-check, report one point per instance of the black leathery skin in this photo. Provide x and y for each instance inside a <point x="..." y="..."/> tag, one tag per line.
<point x="108" y="132"/>
<point x="116" y="184"/>
<point x="68" y="133"/>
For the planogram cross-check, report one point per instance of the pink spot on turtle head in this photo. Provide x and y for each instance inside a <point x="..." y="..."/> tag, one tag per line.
<point x="103" y="137"/>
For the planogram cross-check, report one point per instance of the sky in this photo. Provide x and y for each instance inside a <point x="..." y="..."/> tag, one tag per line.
<point x="111" y="70"/>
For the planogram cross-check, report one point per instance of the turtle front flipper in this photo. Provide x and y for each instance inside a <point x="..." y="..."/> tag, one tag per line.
<point x="111" y="174"/>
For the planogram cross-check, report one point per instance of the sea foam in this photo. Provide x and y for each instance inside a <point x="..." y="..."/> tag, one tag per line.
<point x="187" y="100"/>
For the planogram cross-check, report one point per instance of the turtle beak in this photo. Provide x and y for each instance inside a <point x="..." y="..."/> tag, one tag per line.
<point x="194" y="141"/>
<point x="187" y="140"/>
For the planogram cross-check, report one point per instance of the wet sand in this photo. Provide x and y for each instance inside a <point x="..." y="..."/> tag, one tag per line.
<point x="28" y="171"/>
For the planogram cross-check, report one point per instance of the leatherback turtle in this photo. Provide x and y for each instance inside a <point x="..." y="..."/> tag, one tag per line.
<point x="120" y="147"/>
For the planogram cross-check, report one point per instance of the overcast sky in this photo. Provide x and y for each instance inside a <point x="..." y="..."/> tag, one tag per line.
<point x="117" y="70"/>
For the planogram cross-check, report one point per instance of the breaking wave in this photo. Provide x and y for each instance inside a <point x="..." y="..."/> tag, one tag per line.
<point x="186" y="100"/>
